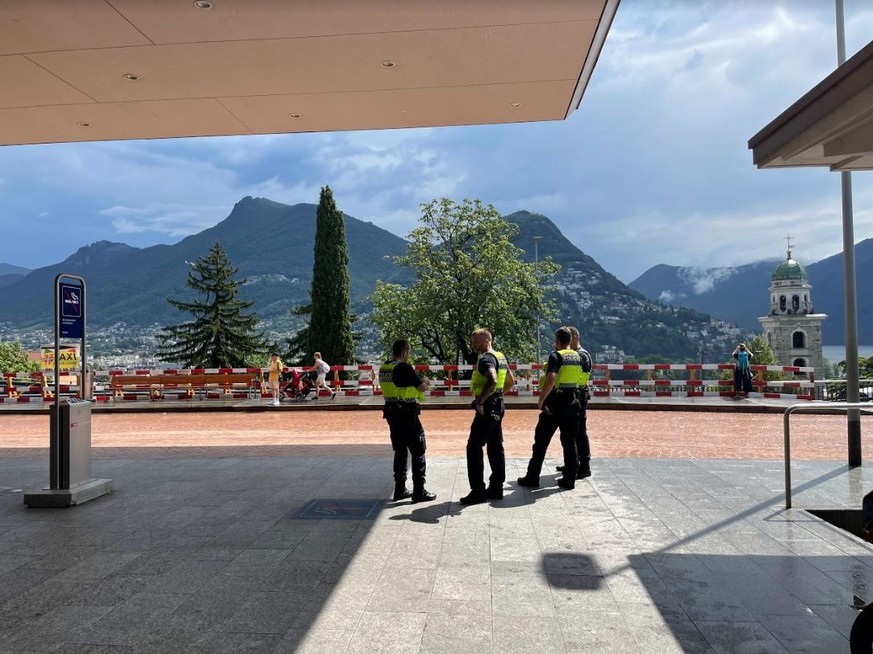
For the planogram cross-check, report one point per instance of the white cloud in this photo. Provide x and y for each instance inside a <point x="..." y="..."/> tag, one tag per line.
<point x="653" y="168"/>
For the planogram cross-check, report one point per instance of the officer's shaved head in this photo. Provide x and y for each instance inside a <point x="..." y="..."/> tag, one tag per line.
<point x="562" y="337"/>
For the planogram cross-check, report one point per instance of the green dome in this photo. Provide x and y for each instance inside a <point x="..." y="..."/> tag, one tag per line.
<point x="789" y="270"/>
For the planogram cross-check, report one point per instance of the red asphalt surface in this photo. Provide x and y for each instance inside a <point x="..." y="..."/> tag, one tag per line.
<point x="673" y="434"/>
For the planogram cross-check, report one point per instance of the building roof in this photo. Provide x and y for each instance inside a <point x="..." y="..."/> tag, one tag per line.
<point x="790" y="270"/>
<point x="831" y="125"/>
<point x="88" y="70"/>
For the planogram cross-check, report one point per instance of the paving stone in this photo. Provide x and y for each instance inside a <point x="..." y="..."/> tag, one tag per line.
<point x="402" y="590"/>
<point x="451" y="633"/>
<point x="514" y="633"/>
<point x="625" y="561"/>
<point x="387" y="632"/>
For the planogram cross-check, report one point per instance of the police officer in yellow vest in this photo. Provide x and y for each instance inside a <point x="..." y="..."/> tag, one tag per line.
<point x="491" y="377"/>
<point x="403" y="390"/>
<point x="559" y="409"/>
<point x="583" y="445"/>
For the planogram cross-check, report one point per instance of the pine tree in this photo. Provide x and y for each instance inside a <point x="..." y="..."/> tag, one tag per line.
<point x="330" y="325"/>
<point x="221" y="335"/>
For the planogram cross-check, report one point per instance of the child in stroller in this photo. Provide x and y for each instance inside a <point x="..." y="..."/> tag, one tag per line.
<point x="298" y="386"/>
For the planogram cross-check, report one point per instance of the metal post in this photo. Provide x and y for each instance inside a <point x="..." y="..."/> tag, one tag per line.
<point x="849" y="291"/>
<point x="536" y="240"/>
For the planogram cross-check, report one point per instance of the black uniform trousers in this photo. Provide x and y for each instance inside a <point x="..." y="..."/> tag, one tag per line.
<point x="583" y="446"/>
<point x="557" y="414"/>
<point x="487" y="431"/>
<point x="407" y="436"/>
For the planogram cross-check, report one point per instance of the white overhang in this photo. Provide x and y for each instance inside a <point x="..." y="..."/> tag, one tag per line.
<point x="90" y="70"/>
<point x="832" y="125"/>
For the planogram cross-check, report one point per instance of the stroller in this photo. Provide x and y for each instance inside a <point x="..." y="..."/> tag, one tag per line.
<point x="298" y="386"/>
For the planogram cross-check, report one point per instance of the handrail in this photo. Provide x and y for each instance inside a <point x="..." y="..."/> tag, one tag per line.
<point x="786" y="428"/>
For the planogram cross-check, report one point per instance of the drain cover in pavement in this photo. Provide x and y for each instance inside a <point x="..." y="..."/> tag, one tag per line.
<point x="339" y="510"/>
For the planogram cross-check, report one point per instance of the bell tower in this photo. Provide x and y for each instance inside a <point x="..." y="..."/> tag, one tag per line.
<point x="792" y="327"/>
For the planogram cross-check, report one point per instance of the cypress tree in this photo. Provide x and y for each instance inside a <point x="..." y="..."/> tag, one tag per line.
<point x="330" y="325"/>
<point x="221" y="335"/>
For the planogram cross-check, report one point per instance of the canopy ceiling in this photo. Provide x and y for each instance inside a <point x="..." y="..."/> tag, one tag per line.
<point x="86" y="70"/>
<point x="832" y="125"/>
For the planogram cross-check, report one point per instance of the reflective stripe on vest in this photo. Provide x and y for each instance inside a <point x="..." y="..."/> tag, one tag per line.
<point x="393" y="393"/>
<point x="478" y="381"/>
<point x="570" y="373"/>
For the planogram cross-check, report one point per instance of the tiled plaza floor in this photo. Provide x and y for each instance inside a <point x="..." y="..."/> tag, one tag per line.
<point x="649" y="555"/>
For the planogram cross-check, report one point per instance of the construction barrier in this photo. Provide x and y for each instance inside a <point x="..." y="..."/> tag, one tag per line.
<point x="607" y="380"/>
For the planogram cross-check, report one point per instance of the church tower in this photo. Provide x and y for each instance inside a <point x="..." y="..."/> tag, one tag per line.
<point x="793" y="328"/>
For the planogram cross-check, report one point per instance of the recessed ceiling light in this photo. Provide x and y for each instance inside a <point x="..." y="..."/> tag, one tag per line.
<point x="295" y="116"/>
<point x="515" y="105"/>
<point x="84" y="124"/>
<point x="387" y="63"/>
<point x="131" y="77"/>
<point x="203" y="4"/>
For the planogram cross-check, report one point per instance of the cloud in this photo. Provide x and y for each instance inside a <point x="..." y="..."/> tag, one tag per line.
<point x="652" y="168"/>
<point x="703" y="280"/>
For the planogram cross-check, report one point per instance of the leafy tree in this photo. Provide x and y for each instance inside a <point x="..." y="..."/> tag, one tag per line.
<point x="221" y="334"/>
<point x="865" y="368"/>
<point x="13" y="358"/>
<point x="468" y="274"/>
<point x="330" y="323"/>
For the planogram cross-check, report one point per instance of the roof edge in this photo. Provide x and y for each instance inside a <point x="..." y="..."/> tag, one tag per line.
<point x="610" y="8"/>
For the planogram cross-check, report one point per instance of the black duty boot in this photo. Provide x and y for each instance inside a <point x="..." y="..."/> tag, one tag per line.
<point x="527" y="482"/>
<point x="422" y="495"/>
<point x="494" y="492"/>
<point x="475" y="497"/>
<point x="401" y="492"/>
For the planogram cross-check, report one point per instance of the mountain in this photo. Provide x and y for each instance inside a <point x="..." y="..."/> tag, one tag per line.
<point x="607" y="312"/>
<point x="9" y="269"/>
<point x="10" y="273"/>
<point x="722" y="292"/>
<point x="742" y="293"/>
<point x="272" y="245"/>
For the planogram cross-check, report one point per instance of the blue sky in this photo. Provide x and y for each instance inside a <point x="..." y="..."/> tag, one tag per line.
<point x="652" y="168"/>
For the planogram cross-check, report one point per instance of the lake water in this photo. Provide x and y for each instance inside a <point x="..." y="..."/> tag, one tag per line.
<point x="837" y="353"/>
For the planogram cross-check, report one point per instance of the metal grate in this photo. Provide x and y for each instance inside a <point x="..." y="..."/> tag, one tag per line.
<point x="339" y="510"/>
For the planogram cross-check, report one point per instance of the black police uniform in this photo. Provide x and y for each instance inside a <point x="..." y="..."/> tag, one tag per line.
<point x="487" y="431"/>
<point x="407" y="434"/>
<point x="560" y="411"/>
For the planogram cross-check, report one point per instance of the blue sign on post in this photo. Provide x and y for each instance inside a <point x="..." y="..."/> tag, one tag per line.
<point x="72" y="310"/>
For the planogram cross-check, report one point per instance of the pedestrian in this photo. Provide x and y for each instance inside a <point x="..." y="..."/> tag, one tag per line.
<point x="321" y="368"/>
<point x="403" y="390"/>
<point x="742" y="371"/>
<point x="559" y="409"/>
<point x="491" y="378"/>
<point x="274" y="371"/>
<point x="583" y="446"/>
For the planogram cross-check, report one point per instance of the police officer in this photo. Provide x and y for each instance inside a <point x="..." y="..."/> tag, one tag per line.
<point x="559" y="409"/>
<point x="491" y="378"/>
<point x="583" y="446"/>
<point x="403" y="390"/>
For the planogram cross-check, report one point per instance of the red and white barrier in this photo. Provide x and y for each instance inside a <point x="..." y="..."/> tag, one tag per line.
<point x="447" y="381"/>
